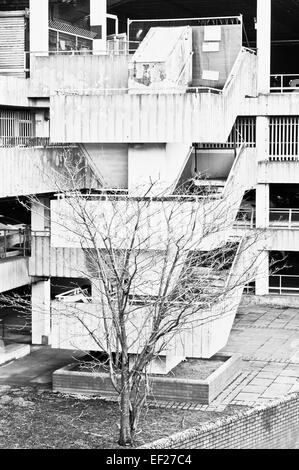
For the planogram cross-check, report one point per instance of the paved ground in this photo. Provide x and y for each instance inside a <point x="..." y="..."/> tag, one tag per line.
<point x="266" y="337"/>
<point x="37" y="368"/>
<point x="268" y="340"/>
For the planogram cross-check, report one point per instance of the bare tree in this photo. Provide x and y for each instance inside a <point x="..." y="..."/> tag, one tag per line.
<point x="161" y="268"/>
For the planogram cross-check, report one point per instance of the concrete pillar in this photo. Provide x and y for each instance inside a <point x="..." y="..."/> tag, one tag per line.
<point x="40" y="215"/>
<point x="262" y="137"/>
<point x="262" y="275"/>
<point x="39" y="27"/>
<point x="262" y="205"/>
<point x="264" y="45"/>
<point x="41" y="312"/>
<point x="42" y="125"/>
<point x="98" y="23"/>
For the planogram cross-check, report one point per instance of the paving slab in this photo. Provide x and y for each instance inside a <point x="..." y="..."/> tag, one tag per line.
<point x="36" y="368"/>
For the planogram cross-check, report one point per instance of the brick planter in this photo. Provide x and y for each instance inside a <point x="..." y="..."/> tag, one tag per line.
<point x="68" y="380"/>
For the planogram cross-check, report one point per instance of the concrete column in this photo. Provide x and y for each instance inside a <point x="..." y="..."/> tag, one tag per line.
<point x="41" y="312"/>
<point x="262" y="137"/>
<point x="262" y="205"/>
<point x="262" y="275"/>
<point x="39" y="27"/>
<point x="40" y="215"/>
<point x="98" y="23"/>
<point x="42" y="125"/>
<point x="264" y="45"/>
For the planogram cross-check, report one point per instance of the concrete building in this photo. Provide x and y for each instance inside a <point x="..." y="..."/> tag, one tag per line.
<point x="143" y="99"/>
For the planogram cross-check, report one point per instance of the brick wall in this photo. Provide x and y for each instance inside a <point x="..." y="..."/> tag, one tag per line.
<point x="272" y="426"/>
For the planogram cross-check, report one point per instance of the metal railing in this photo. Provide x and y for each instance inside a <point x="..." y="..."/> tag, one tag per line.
<point x="15" y="243"/>
<point x="249" y="289"/>
<point x="9" y="142"/>
<point x="12" y="142"/>
<point x="244" y="130"/>
<point x="284" y="83"/>
<point x="74" y="295"/>
<point x="245" y="218"/>
<point x="278" y="218"/>
<point x="15" y="333"/>
<point x="113" y="48"/>
<point x="114" y="196"/>
<point x="284" y="138"/>
<point x="286" y="218"/>
<point x="283" y="284"/>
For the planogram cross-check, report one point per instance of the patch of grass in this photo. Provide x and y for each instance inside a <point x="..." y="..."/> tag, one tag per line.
<point x="54" y="421"/>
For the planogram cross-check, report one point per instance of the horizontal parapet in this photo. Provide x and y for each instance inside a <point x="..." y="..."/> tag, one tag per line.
<point x="202" y="337"/>
<point x="14" y="91"/>
<point x="14" y="273"/>
<point x="282" y="239"/>
<point x="279" y="172"/>
<point x="47" y="261"/>
<point x="124" y="118"/>
<point x="73" y="72"/>
<point x="158" y="117"/>
<point x="274" y="104"/>
<point x="36" y="170"/>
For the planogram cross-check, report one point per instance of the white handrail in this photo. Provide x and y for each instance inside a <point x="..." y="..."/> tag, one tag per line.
<point x="91" y="164"/>
<point x="233" y="71"/>
<point x="286" y="290"/>
<point x="232" y="171"/>
<point x="245" y="222"/>
<point x="232" y="269"/>
<point x="282" y="87"/>
<point x="184" y="67"/>
<point x="284" y="222"/>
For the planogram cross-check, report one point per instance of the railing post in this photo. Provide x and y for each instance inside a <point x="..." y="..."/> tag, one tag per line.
<point x="4" y="243"/>
<point x="290" y="218"/>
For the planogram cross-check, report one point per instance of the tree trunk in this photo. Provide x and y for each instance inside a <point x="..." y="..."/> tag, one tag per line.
<point x="125" y="435"/>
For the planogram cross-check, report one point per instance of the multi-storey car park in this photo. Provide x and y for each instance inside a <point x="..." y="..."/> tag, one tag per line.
<point x="82" y="77"/>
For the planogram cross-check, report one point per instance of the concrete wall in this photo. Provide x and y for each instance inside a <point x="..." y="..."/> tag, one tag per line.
<point x="34" y="170"/>
<point x="58" y="72"/>
<point x="284" y="172"/>
<point x="13" y="274"/>
<point x="125" y="118"/>
<point x="14" y="91"/>
<point x="272" y="426"/>
<point x="267" y="300"/>
<point x="274" y="104"/>
<point x="212" y="163"/>
<point x="56" y="262"/>
<point x="158" y="164"/>
<point x="112" y="162"/>
<point x="282" y="240"/>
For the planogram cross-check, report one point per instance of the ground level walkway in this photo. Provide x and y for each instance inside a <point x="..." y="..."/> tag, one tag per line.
<point x="267" y="338"/>
<point x="37" y="368"/>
